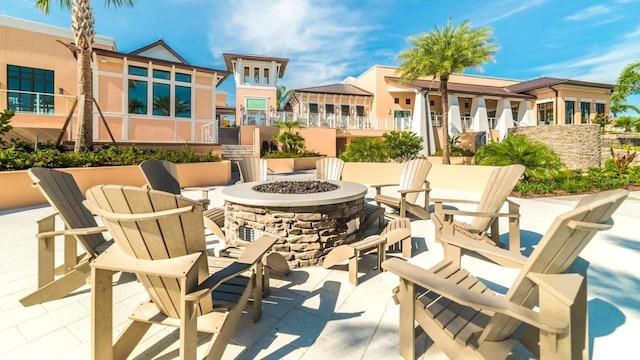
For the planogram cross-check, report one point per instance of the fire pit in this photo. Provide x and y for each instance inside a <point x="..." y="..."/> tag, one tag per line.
<point x="310" y="218"/>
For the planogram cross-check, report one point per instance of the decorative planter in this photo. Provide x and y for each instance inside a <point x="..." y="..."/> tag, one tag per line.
<point x="291" y="164"/>
<point x="16" y="189"/>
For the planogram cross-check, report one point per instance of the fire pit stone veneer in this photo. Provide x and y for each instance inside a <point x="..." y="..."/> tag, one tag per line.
<point x="308" y="226"/>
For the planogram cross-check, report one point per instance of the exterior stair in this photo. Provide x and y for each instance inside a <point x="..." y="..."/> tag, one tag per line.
<point x="237" y="152"/>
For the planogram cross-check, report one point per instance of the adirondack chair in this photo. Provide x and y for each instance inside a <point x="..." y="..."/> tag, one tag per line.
<point x="413" y="181"/>
<point x="159" y="237"/>
<point x="396" y="231"/>
<point x="485" y="217"/>
<point x="62" y="192"/>
<point x="329" y="168"/>
<point x="252" y="169"/>
<point x="163" y="175"/>
<point x="466" y="320"/>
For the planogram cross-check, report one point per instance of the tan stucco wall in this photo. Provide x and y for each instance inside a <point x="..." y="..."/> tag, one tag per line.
<point x="16" y="190"/>
<point x="321" y="140"/>
<point x="257" y="92"/>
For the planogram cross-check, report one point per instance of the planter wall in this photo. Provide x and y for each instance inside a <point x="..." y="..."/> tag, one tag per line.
<point x="16" y="188"/>
<point x="291" y="164"/>
<point x="471" y="178"/>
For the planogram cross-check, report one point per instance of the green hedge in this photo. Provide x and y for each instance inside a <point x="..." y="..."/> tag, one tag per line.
<point x="22" y="156"/>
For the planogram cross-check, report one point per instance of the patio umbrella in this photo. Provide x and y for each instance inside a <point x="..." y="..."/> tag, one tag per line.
<point x="421" y="124"/>
<point x="505" y="119"/>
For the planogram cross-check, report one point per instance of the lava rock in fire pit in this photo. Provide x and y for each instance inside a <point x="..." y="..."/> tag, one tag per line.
<point x="296" y="187"/>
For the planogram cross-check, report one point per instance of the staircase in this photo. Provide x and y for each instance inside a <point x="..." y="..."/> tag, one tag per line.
<point x="237" y="152"/>
<point x="228" y="135"/>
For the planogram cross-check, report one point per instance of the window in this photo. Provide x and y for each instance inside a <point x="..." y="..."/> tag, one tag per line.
<point x="161" y="74"/>
<point x="407" y="101"/>
<point x="584" y="112"/>
<point x="256" y="111"/>
<point x="545" y="113"/>
<point x="599" y="108"/>
<point x="360" y="111"/>
<point x="247" y="78"/>
<point x="329" y="109"/>
<point x="29" y="87"/>
<point x="569" y="110"/>
<point x="138" y="71"/>
<point x="183" y="102"/>
<point x="466" y="105"/>
<point x="183" y="77"/>
<point x="161" y="99"/>
<point x="256" y="75"/>
<point x="265" y="77"/>
<point x="137" y="97"/>
<point x="514" y="113"/>
<point x="432" y="103"/>
<point x="396" y="100"/>
<point x="313" y="108"/>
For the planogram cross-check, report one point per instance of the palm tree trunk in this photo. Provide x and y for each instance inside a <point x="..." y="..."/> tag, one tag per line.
<point x="82" y="24"/>
<point x="444" y="96"/>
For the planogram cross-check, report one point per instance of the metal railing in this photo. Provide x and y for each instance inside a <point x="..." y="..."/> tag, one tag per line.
<point x="28" y="102"/>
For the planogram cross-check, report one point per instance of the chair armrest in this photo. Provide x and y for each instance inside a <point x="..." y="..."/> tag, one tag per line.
<point x="461" y="201"/>
<point x="216" y="279"/>
<point x="466" y="297"/>
<point x="117" y="260"/>
<point x="136" y="217"/>
<point x="485" y="249"/>
<point x="80" y="231"/>
<point x="199" y="188"/>
<point x="476" y="213"/>
<point x="377" y="186"/>
<point x="408" y="191"/>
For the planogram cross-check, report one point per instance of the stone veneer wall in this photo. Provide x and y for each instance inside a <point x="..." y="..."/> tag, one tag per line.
<point x="578" y="145"/>
<point x="305" y="234"/>
<point x="609" y="140"/>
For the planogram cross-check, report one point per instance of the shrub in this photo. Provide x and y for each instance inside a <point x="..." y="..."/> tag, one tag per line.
<point x="602" y="120"/>
<point x="5" y="119"/>
<point x="365" y="150"/>
<point x="622" y="161"/>
<point x="627" y="123"/>
<point x="290" y="141"/>
<point x="402" y="145"/>
<point x="540" y="160"/>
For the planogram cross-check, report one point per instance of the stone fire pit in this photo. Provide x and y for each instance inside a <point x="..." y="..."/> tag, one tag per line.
<point x="308" y="225"/>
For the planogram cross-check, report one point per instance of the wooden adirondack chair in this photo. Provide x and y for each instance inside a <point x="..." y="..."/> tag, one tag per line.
<point x="252" y="169"/>
<point x="413" y="181"/>
<point x="466" y="320"/>
<point x="485" y="217"/>
<point x="329" y="168"/>
<point x="62" y="192"/>
<point x="159" y="237"/>
<point x="396" y="231"/>
<point x="163" y="175"/>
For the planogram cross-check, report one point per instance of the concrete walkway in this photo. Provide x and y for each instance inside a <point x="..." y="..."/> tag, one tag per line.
<point x="316" y="313"/>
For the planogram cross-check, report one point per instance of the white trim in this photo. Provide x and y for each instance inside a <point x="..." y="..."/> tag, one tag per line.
<point x="569" y="98"/>
<point x="601" y="101"/>
<point x="585" y="100"/>
<point x="543" y="101"/>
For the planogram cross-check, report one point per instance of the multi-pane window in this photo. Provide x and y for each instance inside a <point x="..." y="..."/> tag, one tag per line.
<point x="30" y="89"/>
<point x="167" y="98"/>
<point x="407" y="101"/>
<point x="360" y="111"/>
<point x="161" y="99"/>
<point x="137" y="97"/>
<point x="161" y="74"/>
<point x="599" y="108"/>
<point x="256" y="113"/>
<point x="329" y="109"/>
<point x="183" y="101"/>
<point x="569" y="110"/>
<point x="183" y="77"/>
<point x="545" y="113"/>
<point x="313" y="108"/>
<point x="584" y="112"/>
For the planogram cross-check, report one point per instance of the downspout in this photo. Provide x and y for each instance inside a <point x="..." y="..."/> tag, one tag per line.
<point x="555" y="107"/>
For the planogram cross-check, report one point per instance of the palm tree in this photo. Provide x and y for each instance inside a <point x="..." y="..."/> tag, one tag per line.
<point x="628" y="84"/>
<point x="442" y="52"/>
<point x="282" y="96"/>
<point x="83" y="27"/>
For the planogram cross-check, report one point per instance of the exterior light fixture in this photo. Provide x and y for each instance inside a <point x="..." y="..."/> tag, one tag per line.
<point x="241" y="108"/>
<point x="60" y="91"/>
<point x="389" y="111"/>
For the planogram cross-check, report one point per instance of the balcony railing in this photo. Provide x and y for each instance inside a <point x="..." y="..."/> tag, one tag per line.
<point x="27" y="102"/>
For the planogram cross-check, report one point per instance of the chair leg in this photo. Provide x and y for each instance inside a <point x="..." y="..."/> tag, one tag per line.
<point x="60" y="287"/>
<point x="353" y="269"/>
<point x="406" y="327"/>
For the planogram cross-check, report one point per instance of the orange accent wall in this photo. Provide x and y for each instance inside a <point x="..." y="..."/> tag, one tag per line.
<point x="203" y="104"/>
<point x="110" y="96"/>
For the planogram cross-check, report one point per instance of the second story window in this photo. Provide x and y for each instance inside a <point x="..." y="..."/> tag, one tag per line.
<point x="256" y="76"/>
<point x="246" y="75"/>
<point x="265" y="77"/>
<point x="33" y="89"/>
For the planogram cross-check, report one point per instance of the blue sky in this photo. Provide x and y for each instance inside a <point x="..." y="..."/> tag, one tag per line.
<point x="328" y="40"/>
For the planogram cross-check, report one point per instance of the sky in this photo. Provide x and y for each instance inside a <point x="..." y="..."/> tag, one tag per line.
<point x="329" y="40"/>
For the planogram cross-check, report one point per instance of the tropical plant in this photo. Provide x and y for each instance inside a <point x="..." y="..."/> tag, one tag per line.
<point x="282" y="96"/>
<point x="83" y="27"/>
<point x="442" y="52"/>
<point x="5" y="119"/>
<point x="602" y="120"/>
<point x="621" y="160"/>
<point x="540" y="160"/>
<point x="627" y="122"/>
<point x="402" y="145"/>
<point x="628" y="83"/>
<point x="365" y="149"/>
<point x="290" y="141"/>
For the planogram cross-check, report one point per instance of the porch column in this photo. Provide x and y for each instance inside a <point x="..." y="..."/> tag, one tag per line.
<point x="479" y="118"/>
<point x="505" y="117"/>
<point x="421" y="122"/>
<point x="455" y="123"/>
<point x="525" y="113"/>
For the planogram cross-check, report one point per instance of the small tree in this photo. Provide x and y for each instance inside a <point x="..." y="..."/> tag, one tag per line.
<point x="5" y="119"/>
<point x="627" y="122"/>
<point x="290" y="141"/>
<point x="602" y="120"/>
<point x="365" y="150"/>
<point x="402" y="145"/>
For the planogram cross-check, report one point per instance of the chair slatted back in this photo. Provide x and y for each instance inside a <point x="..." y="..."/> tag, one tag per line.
<point x="557" y="250"/>
<point x="414" y="176"/>
<point x="499" y="187"/>
<point x="329" y="168"/>
<point x="161" y="175"/>
<point x="63" y="194"/>
<point x="253" y="169"/>
<point x="154" y="239"/>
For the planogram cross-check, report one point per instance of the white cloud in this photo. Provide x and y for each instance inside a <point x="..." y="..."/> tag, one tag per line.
<point x="603" y="65"/>
<point x="589" y="13"/>
<point x="321" y="39"/>
<point x="507" y="9"/>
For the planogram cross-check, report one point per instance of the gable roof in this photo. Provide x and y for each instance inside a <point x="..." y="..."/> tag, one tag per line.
<point x="162" y="46"/>
<point x="543" y="82"/>
<point x="228" y="58"/>
<point x="472" y="89"/>
<point x="339" y="89"/>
